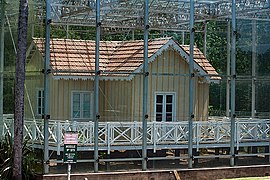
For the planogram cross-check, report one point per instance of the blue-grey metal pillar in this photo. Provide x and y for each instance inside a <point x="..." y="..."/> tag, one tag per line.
<point x="2" y="40"/>
<point x="191" y="82"/>
<point x="145" y="86"/>
<point x="97" y="73"/>
<point x="254" y="54"/>
<point x="233" y="77"/>
<point x="205" y="39"/>
<point x="46" y="86"/>
<point x="228" y="69"/>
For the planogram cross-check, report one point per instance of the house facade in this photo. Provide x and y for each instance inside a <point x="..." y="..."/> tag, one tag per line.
<point x="71" y="83"/>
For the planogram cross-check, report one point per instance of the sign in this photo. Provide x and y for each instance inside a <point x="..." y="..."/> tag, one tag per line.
<point x="70" y="147"/>
<point x="71" y="137"/>
<point x="70" y="153"/>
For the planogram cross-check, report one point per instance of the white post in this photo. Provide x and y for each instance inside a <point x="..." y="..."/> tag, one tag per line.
<point x="58" y="137"/>
<point x="69" y="171"/>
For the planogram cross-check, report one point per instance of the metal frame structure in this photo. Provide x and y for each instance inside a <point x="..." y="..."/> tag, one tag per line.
<point x="164" y="15"/>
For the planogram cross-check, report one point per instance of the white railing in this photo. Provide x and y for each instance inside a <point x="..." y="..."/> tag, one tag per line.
<point x="129" y="134"/>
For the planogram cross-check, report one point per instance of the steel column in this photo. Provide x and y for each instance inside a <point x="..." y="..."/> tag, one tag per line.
<point x="233" y="77"/>
<point x="228" y="68"/>
<point x="191" y="81"/>
<point x="145" y="86"/>
<point x="46" y="86"/>
<point x="254" y="45"/>
<point x="97" y="73"/>
<point x="205" y="39"/>
<point x="2" y="42"/>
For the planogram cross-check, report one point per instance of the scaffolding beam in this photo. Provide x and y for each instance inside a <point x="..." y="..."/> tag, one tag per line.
<point x="46" y="86"/>
<point x="96" y="91"/>
<point x="191" y="82"/>
<point x="233" y="77"/>
<point x="145" y="86"/>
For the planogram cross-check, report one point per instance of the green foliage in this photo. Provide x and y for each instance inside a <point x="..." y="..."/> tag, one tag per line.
<point x="31" y="164"/>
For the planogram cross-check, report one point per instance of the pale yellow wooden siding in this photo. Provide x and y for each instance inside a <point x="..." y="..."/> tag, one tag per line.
<point x="115" y="100"/>
<point x="33" y="82"/>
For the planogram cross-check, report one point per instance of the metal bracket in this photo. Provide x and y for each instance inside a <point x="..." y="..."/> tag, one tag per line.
<point x="48" y="71"/>
<point x="146" y="74"/>
<point x="98" y="72"/>
<point x="46" y="116"/>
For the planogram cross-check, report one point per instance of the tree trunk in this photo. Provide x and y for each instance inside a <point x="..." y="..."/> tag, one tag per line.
<point x="19" y="90"/>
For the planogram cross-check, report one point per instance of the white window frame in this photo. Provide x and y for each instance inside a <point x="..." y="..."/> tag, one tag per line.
<point x="164" y="107"/>
<point x="81" y="105"/>
<point x="41" y="108"/>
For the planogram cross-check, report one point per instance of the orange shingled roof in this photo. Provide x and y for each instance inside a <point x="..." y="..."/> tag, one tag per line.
<point x="118" y="58"/>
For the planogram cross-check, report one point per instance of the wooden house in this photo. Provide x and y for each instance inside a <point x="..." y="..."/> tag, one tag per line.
<point x="71" y="81"/>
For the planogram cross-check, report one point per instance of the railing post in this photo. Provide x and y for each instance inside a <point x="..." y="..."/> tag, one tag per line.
<point x="34" y="132"/>
<point x="197" y="134"/>
<point x="59" y="138"/>
<point x="74" y="126"/>
<point x="155" y="136"/>
<point x="108" y="137"/>
<point x="238" y="134"/>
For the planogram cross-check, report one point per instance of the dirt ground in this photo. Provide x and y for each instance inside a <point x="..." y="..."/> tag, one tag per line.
<point x="163" y="164"/>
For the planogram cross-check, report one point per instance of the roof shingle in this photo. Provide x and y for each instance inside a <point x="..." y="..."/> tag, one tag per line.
<point x="117" y="58"/>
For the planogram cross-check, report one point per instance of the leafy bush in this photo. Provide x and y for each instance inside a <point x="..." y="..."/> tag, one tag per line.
<point x="31" y="164"/>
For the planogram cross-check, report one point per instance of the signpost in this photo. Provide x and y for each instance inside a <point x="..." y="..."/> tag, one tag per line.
<point x="70" y="149"/>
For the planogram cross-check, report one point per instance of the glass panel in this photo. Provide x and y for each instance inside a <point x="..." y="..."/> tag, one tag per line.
<point x="39" y="110"/>
<point x="159" y="98"/>
<point x="86" y="105"/>
<point x="158" y="117"/>
<point x="39" y="102"/>
<point x="168" y="116"/>
<point x="169" y="108"/>
<point x="159" y="108"/>
<point x="169" y="99"/>
<point x="86" y="114"/>
<point x="76" y="105"/>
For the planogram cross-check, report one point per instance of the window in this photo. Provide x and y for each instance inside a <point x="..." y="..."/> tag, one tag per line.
<point x="40" y="102"/>
<point x="82" y="106"/>
<point x="165" y="106"/>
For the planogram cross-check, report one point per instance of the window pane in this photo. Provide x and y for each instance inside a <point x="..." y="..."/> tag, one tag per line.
<point x="159" y="98"/>
<point x="159" y="108"/>
<point x="86" y="105"/>
<point x="168" y="116"/>
<point x="158" y="117"/>
<point x="86" y="114"/>
<point x="76" y="105"/>
<point x="169" y="99"/>
<point x="169" y="108"/>
<point x="39" y="110"/>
